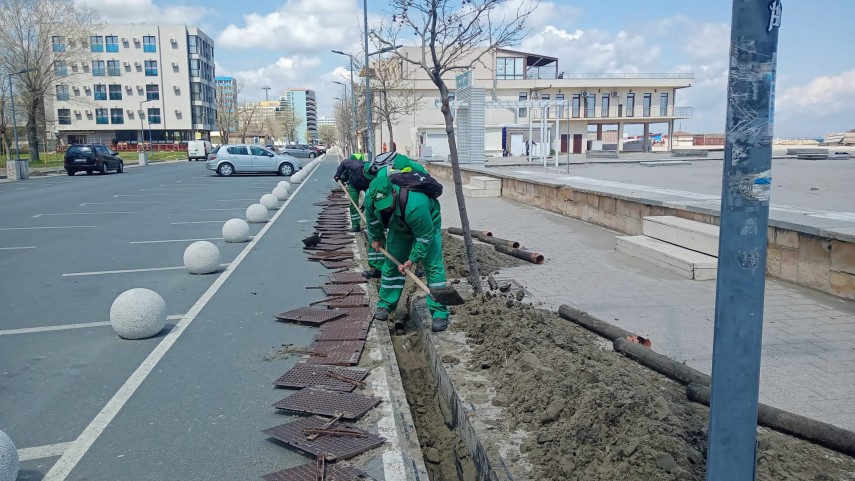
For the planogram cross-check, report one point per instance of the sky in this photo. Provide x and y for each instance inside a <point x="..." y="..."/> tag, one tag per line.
<point x="286" y="44"/>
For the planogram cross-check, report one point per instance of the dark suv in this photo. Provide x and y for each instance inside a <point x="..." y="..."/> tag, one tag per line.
<point x="92" y="158"/>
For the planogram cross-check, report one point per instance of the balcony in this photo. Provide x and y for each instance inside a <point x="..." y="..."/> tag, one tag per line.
<point x="115" y="95"/>
<point x="114" y="71"/>
<point x="59" y="47"/>
<point x="112" y="47"/>
<point x="99" y="71"/>
<point x="151" y="72"/>
<point x="150" y="48"/>
<point x="615" y="113"/>
<point x="62" y="96"/>
<point x="101" y="119"/>
<point x="61" y="71"/>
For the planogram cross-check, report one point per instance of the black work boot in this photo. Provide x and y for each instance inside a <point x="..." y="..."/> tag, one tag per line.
<point x="381" y="314"/>
<point x="355" y="228"/>
<point x="439" y="324"/>
<point x="372" y="274"/>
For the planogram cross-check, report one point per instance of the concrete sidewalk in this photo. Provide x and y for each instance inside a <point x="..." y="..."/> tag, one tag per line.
<point x="808" y="362"/>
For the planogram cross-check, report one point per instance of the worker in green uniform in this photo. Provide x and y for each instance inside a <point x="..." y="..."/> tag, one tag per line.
<point x="351" y="172"/>
<point x="396" y="161"/>
<point x="414" y="235"/>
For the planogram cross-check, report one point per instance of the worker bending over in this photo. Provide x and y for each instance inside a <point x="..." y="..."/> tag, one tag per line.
<point x="351" y="172"/>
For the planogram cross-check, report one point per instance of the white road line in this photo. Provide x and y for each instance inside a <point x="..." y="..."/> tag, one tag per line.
<point x="78" y="213"/>
<point x="163" y="189"/>
<point x="175" y="240"/>
<point x="65" y="327"/>
<point x="16" y="248"/>
<point x="235" y="200"/>
<point x="39" y="452"/>
<point x="199" y="222"/>
<point x="81" y="445"/>
<point x="144" y="195"/>
<point x="123" y="202"/>
<point x="225" y="208"/>
<point x="61" y="227"/>
<point x="126" y="271"/>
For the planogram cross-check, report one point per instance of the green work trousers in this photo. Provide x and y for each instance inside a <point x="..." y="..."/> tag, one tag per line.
<point x="399" y="244"/>
<point x="354" y="212"/>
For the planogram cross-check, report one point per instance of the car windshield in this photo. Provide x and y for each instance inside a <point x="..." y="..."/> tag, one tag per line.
<point x="216" y="149"/>
<point x="80" y="149"/>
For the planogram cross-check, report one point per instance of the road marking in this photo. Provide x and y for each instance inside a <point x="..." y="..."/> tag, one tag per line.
<point x="16" y="248"/>
<point x="181" y="187"/>
<point x="225" y="208"/>
<point x="78" y="213"/>
<point x="235" y="200"/>
<point x="39" y="452"/>
<point x="93" y="431"/>
<point x="65" y="327"/>
<point x="61" y="227"/>
<point x="199" y="222"/>
<point x="127" y="271"/>
<point x="144" y="195"/>
<point x="123" y="202"/>
<point x="175" y="240"/>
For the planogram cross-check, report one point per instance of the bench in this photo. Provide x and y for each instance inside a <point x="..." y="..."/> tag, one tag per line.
<point x="689" y="153"/>
<point x="806" y="151"/>
<point x="602" y="154"/>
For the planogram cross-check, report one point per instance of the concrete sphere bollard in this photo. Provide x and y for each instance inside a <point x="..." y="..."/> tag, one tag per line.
<point x="298" y="177"/>
<point x="138" y="313"/>
<point x="202" y="257"/>
<point x="269" y="201"/>
<point x="281" y="193"/>
<point x="236" y="230"/>
<point x="9" y="463"/>
<point x="284" y="184"/>
<point x="256" y="213"/>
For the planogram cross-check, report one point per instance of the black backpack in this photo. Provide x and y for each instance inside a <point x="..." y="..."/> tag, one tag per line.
<point x="415" y="181"/>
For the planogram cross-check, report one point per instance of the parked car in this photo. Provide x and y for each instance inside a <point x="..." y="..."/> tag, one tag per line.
<point x="198" y="149"/>
<point x="299" y="151"/>
<point x="92" y="158"/>
<point x="230" y="159"/>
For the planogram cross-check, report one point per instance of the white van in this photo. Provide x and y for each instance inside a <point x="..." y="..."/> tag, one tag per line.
<point x="198" y="149"/>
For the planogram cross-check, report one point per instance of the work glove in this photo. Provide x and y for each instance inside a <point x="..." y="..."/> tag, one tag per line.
<point x="336" y="178"/>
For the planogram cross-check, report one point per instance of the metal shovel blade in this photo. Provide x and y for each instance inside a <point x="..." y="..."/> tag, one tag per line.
<point x="447" y="296"/>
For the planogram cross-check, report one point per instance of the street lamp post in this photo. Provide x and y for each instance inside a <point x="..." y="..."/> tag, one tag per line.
<point x="352" y="101"/>
<point x="15" y="121"/>
<point x="143" y="159"/>
<point x="352" y="135"/>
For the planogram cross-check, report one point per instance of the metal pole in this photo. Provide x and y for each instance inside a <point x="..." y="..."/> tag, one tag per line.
<point x="352" y="109"/>
<point x="368" y="129"/>
<point x="746" y="185"/>
<point x="14" y="120"/>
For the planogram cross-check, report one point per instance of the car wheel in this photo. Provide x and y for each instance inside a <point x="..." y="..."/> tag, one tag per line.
<point x="286" y="169"/>
<point x="103" y="170"/>
<point x="70" y="171"/>
<point x="311" y="155"/>
<point x="225" y="169"/>
<point x="120" y="168"/>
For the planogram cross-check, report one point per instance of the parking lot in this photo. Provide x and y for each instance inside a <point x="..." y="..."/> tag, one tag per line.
<point x="82" y="403"/>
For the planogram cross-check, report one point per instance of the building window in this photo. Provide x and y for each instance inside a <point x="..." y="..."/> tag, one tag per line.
<point x="152" y="92"/>
<point x="112" y="43"/>
<point x="101" y="116"/>
<point x="510" y="68"/>
<point x="60" y="69"/>
<point x="62" y="92"/>
<point x="115" y="92"/>
<point x="604" y="105"/>
<point x="151" y="68"/>
<point x="663" y="104"/>
<point x="192" y="44"/>
<point x="645" y="106"/>
<point x="63" y="116"/>
<point x="113" y="68"/>
<point x="523" y="112"/>
<point x="195" y="67"/>
<point x="560" y="107"/>
<point x="575" y="105"/>
<point x="58" y="43"/>
<point x="100" y="92"/>
<point x="591" y="105"/>
<point x="148" y="44"/>
<point x="154" y="116"/>
<point x="630" y="105"/>
<point x="96" y="43"/>
<point x="545" y="97"/>
<point x="196" y="91"/>
<point x="98" y="69"/>
<point x="117" y="116"/>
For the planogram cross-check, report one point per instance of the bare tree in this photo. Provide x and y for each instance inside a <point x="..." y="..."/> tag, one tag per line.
<point x="227" y="111"/>
<point x="326" y="133"/>
<point x="5" y="119"/>
<point x="247" y="119"/>
<point x="388" y="76"/>
<point x="290" y="122"/>
<point x="453" y="37"/>
<point x="45" y="36"/>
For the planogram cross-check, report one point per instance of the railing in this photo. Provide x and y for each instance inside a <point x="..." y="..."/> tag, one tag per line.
<point x="149" y="48"/>
<point x="152" y="96"/>
<point x="114" y="71"/>
<point x="99" y="72"/>
<point x="62" y="96"/>
<point x="100" y="95"/>
<point x="115" y="95"/>
<point x="151" y="72"/>
<point x="61" y="71"/>
<point x="102" y="120"/>
<point x="614" y="112"/>
<point x="628" y="76"/>
<point x="59" y="47"/>
<point x="112" y="47"/>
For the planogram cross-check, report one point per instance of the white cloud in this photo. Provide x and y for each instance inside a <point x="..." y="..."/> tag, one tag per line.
<point x="594" y="50"/>
<point x="284" y="73"/>
<point x="137" y="11"/>
<point x="823" y="97"/>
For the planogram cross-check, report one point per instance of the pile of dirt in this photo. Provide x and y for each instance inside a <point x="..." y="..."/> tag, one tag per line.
<point x="489" y="261"/>
<point x="592" y="414"/>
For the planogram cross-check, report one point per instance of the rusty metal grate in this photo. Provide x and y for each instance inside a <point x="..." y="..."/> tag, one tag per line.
<point x="309" y="472"/>
<point x="328" y="255"/>
<point x="364" y="314"/>
<point x="347" y="278"/>
<point x="336" y="241"/>
<point x="311" y="400"/>
<point x="348" y="301"/>
<point x="333" y="447"/>
<point x="304" y="375"/>
<point x="323" y="247"/>
<point x="309" y="315"/>
<point x="344" y="330"/>
<point x="342" y="289"/>
<point x="337" y="353"/>
<point x="338" y="264"/>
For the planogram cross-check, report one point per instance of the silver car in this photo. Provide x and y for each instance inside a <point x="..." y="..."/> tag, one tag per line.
<point x="299" y="151"/>
<point x="230" y="159"/>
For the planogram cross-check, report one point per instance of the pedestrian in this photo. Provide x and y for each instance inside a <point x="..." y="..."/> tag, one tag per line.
<point x="414" y="222"/>
<point x="351" y="172"/>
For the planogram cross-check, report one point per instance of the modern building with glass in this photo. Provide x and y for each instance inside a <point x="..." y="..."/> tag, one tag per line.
<point x="303" y="102"/>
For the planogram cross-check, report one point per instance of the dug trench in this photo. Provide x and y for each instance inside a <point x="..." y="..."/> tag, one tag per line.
<point x="565" y="405"/>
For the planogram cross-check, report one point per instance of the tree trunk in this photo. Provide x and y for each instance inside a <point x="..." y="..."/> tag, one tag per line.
<point x="33" y="130"/>
<point x="474" y="275"/>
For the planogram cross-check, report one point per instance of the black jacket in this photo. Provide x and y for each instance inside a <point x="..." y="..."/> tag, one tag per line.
<point x="350" y="171"/>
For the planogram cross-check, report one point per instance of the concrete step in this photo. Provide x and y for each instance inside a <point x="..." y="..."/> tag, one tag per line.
<point x="485" y="182"/>
<point x="477" y="192"/>
<point x="688" y="263"/>
<point x="692" y="235"/>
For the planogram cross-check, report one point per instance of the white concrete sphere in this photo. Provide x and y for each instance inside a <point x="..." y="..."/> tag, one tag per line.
<point x="236" y="230"/>
<point x="281" y="193"/>
<point x="269" y="201"/>
<point x="202" y="257"/>
<point x="298" y="177"/>
<point x="138" y="313"/>
<point x="284" y="184"/>
<point x="256" y="213"/>
<point x="9" y="464"/>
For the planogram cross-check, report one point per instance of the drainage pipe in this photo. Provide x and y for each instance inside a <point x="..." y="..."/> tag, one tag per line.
<point x="591" y="323"/>
<point x="477" y="234"/>
<point x="659" y="363"/>
<point x="532" y="257"/>
<point x="499" y="242"/>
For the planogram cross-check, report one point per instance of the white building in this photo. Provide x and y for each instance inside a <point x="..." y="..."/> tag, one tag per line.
<point x="303" y="104"/>
<point x="156" y="79"/>
<point x="591" y="101"/>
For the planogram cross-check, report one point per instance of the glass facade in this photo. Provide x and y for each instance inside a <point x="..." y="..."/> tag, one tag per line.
<point x="149" y="44"/>
<point x="510" y="68"/>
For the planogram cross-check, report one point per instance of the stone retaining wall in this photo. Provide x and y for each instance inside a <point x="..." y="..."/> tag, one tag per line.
<point x="817" y="262"/>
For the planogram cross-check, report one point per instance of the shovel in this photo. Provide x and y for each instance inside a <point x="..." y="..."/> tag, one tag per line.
<point x="446" y="296"/>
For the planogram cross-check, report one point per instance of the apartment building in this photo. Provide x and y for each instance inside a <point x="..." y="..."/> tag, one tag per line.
<point x="130" y="80"/>
<point x="582" y="102"/>
<point x="305" y="106"/>
<point x="227" y="95"/>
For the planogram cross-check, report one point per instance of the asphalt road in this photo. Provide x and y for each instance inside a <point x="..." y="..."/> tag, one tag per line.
<point x="79" y="393"/>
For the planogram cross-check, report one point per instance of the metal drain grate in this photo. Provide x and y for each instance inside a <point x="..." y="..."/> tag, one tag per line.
<point x="344" y="330"/>
<point x="328" y="403"/>
<point x="342" y="289"/>
<point x="364" y="314"/>
<point x="330" y="255"/>
<point x="334" y="447"/>
<point x="309" y="315"/>
<point x="347" y="278"/>
<point x="305" y="375"/>
<point x="336" y="242"/>
<point x="323" y="247"/>
<point x="338" y="264"/>
<point x="360" y="300"/>
<point x="338" y="353"/>
<point x="309" y="472"/>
